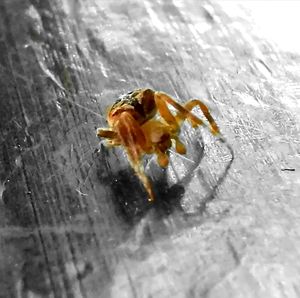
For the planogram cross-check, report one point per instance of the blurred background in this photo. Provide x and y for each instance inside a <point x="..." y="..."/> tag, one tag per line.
<point x="274" y="20"/>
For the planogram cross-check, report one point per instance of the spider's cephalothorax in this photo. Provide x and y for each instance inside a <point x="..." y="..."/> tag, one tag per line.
<point x="142" y="123"/>
<point x="140" y="103"/>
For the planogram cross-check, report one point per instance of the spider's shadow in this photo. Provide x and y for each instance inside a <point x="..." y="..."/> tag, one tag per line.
<point x="130" y="198"/>
<point x="128" y="195"/>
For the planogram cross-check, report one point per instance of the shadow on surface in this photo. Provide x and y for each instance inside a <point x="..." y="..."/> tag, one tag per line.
<point x="211" y="195"/>
<point x="130" y="198"/>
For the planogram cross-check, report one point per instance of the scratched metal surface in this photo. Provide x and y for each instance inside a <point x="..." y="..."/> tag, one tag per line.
<point x="74" y="220"/>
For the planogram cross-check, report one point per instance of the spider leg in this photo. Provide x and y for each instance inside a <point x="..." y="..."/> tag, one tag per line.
<point x="161" y="100"/>
<point x="183" y="113"/>
<point x="213" y="125"/>
<point x="158" y="135"/>
<point x="136" y="144"/>
<point x="162" y="159"/>
<point x="140" y="172"/>
<point x="161" y="104"/>
<point x="110" y="135"/>
<point x="196" y="102"/>
<point x="179" y="146"/>
<point x="106" y="133"/>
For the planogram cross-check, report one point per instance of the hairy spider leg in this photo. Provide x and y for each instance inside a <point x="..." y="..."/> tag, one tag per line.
<point x="106" y="133"/>
<point x="135" y="143"/>
<point x="164" y="111"/>
<point x="213" y="125"/>
<point x="158" y="136"/>
<point x="173" y="123"/>
<point x="112" y="139"/>
<point x="196" y="102"/>
<point x="184" y="113"/>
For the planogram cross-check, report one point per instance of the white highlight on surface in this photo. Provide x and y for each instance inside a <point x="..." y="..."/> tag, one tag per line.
<point x="153" y="17"/>
<point x="181" y="156"/>
<point x="278" y="21"/>
<point x="2" y="188"/>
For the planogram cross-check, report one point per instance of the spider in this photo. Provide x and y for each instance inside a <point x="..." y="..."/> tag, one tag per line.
<point x="142" y="123"/>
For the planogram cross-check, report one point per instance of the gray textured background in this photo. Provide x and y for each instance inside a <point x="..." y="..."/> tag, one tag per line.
<point x="75" y="222"/>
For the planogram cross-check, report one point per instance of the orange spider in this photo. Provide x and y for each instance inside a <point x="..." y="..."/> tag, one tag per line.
<point x="134" y="125"/>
